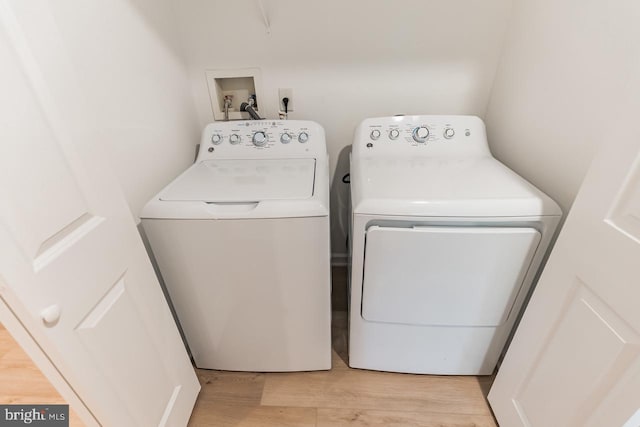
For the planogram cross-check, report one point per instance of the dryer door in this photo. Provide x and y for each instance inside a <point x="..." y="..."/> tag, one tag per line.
<point x="445" y="276"/>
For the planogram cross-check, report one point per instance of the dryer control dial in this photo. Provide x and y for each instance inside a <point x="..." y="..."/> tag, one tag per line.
<point x="234" y="138"/>
<point x="420" y="134"/>
<point x="303" y="137"/>
<point x="375" y="134"/>
<point x="259" y="139"/>
<point x="394" y="134"/>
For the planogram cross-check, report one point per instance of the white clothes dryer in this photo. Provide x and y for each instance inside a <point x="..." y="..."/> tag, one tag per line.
<point x="445" y="242"/>
<point x="241" y="239"/>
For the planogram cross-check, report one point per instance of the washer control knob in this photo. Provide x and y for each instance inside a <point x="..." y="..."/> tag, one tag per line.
<point x="394" y="134"/>
<point x="420" y="134"/>
<point x="449" y="133"/>
<point x="375" y="134"/>
<point x="216" y="138"/>
<point x="285" y="138"/>
<point x="259" y="139"/>
<point x="303" y="137"/>
<point x="234" y="138"/>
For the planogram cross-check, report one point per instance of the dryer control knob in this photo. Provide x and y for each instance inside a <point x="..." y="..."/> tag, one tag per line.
<point x="375" y="134"/>
<point x="285" y="138"/>
<point x="259" y="139"/>
<point x="216" y="138"/>
<point x="420" y="134"/>
<point x="303" y="137"/>
<point x="449" y="133"/>
<point x="234" y="138"/>
<point x="394" y="134"/>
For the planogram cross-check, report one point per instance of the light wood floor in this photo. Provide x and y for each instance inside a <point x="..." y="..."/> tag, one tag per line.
<point x="340" y="397"/>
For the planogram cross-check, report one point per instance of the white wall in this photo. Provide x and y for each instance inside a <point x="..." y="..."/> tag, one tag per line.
<point x="127" y="54"/>
<point x="565" y="66"/>
<point x="348" y="60"/>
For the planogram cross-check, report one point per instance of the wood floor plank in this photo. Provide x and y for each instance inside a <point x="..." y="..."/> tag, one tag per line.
<point x="328" y="417"/>
<point x="376" y="390"/>
<point x="231" y="387"/>
<point x="16" y="357"/>
<point x="237" y="415"/>
<point x="233" y="399"/>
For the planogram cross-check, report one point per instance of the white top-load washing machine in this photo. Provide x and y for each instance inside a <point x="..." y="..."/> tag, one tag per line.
<point x="445" y="241"/>
<point x="242" y="242"/>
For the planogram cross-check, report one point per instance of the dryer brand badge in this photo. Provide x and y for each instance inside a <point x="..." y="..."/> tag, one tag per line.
<point x="34" y="415"/>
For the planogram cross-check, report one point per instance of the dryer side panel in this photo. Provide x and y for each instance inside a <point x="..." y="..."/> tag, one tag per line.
<point x="445" y="276"/>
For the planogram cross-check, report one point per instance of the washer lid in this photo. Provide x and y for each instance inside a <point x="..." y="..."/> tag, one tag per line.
<point x="249" y="180"/>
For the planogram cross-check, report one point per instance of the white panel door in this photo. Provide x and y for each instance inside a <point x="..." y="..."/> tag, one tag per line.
<point x="73" y="269"/>
<point x="575" y="359"/>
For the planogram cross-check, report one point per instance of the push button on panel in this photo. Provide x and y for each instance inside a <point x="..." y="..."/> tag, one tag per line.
<point x="449" y="133"/>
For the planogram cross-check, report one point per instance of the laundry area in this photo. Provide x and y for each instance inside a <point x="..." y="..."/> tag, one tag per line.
<point x="337" y="213"/>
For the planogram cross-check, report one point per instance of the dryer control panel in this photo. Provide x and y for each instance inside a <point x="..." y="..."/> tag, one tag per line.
<point x="262" y="139"/>
<point x="411" y="136"/>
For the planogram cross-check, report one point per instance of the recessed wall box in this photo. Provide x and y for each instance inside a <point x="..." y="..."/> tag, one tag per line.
<point x="239" y="85"/>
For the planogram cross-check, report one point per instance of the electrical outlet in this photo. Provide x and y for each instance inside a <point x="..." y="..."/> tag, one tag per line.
<point x="285" y="93"/>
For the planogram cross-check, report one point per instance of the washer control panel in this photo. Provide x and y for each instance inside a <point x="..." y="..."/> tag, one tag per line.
<point x="262" y="139"/>
<point x="421" y="135"/>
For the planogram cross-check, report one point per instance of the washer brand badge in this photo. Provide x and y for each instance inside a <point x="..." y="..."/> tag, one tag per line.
<point x="34" y="415"/>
